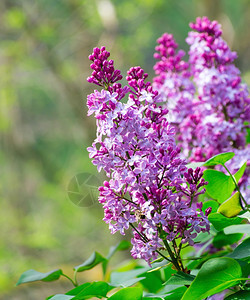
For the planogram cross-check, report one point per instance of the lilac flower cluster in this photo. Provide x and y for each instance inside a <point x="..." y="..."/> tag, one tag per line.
<point x="150" y="188"/>
<point x="208" y="103"/>
<point x="172" y="80"/>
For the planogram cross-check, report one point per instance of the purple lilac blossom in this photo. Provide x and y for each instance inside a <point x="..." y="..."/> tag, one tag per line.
<point x="150" y="187"/>
<point x="208" y="103"/>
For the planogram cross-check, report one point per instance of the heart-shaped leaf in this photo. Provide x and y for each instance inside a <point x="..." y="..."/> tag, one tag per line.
<point x="240" y="172"/>
<point x="220" y="222"/>
<point x="242" y="228"/>
<point x="242" y="251"/>
<point x="129" y="293"/>
<point x="215" y="275"/>
<point x="168" y="292"/>
<point x="180" y="278"/>
<point x="123" y="245"/>
<point x="32" y="275"/>
<point x="78" y="289"/>
<point x="119" y="278"/>
<point x="220" y="186"/>
<point x="152" y="281"/>
<point x="231" y="207"/>
<point x="91" y="262"/>
<point x="221" y="239"/>
<point x="97" y="289"/>
<point x="219" y="159"/>
<point x="245" y="215"/>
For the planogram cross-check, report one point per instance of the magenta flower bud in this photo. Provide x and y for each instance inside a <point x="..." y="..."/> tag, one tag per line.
<point x="199" y="205"/>
<point x="106" y="184"/>
<point x="208" y="211"/>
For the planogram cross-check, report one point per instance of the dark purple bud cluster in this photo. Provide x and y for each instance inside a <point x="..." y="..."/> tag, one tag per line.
<point x="136" y="79"/>
<point x="205" y="25"/>
<point x="195" y="177"/>
<point x="195" y="182"/>
<point x="209" y="35"/>
<point x="104" y="73"/>
<point x="169" y="60"/>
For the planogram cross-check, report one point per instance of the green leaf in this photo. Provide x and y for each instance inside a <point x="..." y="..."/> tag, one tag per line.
<point x="248" y="135"/>
<point x="197" y="263"/>
<point x="129" y="282"/>
<point x="176" y="294"/>
<point x="129" y="293"/>
<point x="119" y="278"/>
<point x="167" y="272"/>
<point x="220" y="186"/>
<point x="91" y="289"/>
<point x="91" y="262"/>
<point x="245" y="266"/>
<point x="123" y="245"/>
<point x="219" y="159"/>
<point x="222" y="239"/>
<point x="240" y="172"/>
<point x="180" y="278"/>
<point x="245" y="215"/>
<point x="168" y="292"/>
<point x="231" y="207"/>
<point x="78" y="289"/>
<point x="97" y="289"/>
<point x="61" y="297"/>
<point x="152" y="281"/>
<point x="152" y="297"/>
<point x="220" y="222"/>
<point x="32" y="275"/>
<point x="241" y="251"/>
<point x="243" y="228"/>
<point x="215" y="275"/>
<point x="244" y="295"/>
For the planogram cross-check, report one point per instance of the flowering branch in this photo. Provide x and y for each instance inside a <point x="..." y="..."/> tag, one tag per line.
<point x="136" y="148"/>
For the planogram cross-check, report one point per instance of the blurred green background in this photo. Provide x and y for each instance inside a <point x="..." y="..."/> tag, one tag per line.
<point x="44" y="130"/>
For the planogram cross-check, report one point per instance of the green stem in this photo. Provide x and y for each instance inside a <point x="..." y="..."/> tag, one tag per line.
<point x="72" y="281"/>
<point x="237" y="187"/>
<point x="162" y="255"/>
<point x="122" y="197"/>
<point x="75" y="279"/>
<point x="174" y="260"/>
<point x="177" y="253"/>
<point x="179" y="249"/>
<point x="144" y="238"/>
<point x="191" y="200"/>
